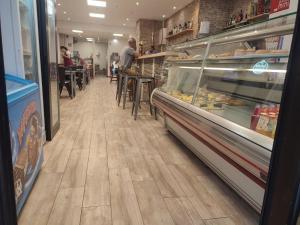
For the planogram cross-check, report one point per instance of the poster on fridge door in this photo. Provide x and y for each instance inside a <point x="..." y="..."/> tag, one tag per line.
<point x="279" y="5"/>
<point x="26" y="140"/>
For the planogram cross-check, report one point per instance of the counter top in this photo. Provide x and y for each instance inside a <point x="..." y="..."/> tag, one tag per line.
<point x="161" y="54"/>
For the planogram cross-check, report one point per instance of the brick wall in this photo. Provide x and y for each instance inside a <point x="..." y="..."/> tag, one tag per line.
<point x="145" y="29"/>
<point x="217" y="12"/>
<point x="237" y="5"/>
<point x="188" y="13"/>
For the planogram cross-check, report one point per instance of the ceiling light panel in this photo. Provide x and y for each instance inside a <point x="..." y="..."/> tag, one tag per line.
<point x="77" y="31"/>
<point x="97" y="15"/>
<point x="96" y="3"/>
<point x="118" y="35"/>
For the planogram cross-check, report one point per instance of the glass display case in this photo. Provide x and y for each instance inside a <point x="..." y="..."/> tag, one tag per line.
<point x="224" y="91"/>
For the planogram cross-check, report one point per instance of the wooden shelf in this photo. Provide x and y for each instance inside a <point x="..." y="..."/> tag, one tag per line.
<point x="157" y="55"/>
<point x="180" y="33"/>
<point x="249" y="20"/>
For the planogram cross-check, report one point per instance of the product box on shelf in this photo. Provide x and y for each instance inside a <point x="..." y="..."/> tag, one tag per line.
<point x="24" y="108"/>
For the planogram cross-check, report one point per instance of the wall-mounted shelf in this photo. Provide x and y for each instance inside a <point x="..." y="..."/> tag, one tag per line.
<point x="186" y="31"/>
<point x="252" y="19"/>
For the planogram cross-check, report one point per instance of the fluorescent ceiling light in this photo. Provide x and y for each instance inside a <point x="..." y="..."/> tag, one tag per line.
<point x="118" y="35"/>
<point x="96" y="3"/>
<point x="77" y="31"/>
<point x="90" y="39"/>
<point x="97" y="15"/>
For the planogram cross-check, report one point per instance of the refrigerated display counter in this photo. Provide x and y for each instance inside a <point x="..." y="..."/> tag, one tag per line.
<point x="25" y="119"/>
<point x="221" y="97"/>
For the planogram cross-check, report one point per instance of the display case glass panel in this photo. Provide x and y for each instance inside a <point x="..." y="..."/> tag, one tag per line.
<point x="183" y="82"/>
<point x="244" y="74"/>
<point x="237" y="76"/>
<point x="181" y="73"/>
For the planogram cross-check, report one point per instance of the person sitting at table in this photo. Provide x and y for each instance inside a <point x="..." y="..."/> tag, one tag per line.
<point x="66" y="55"/>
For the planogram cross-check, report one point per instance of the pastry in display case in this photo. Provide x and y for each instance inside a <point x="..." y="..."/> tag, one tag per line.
<point x="224" y="105"/>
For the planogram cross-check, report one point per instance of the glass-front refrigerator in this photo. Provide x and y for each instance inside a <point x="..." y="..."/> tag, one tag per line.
<point x="48" y="52"/>
<point x="24" y="92"/>
<point x="25" y="18"/>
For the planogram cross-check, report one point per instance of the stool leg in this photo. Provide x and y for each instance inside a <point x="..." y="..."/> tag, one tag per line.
<point x="117" y="88"/>
<point x="150" y="91"/>
<point x="121" y="80"/>
<point x="137" y="98"/>
<point x="125" y="91"/>
<point x="134" y="96"/>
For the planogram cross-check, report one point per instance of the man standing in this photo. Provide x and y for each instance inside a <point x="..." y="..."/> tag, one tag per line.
<point x="129" y="54"/>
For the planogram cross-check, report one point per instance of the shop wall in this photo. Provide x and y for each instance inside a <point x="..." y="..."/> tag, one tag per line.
<point x="145" y="29"/>
<point x="97" y="50"/>
<point x="188" y="13"/>
<point x="67" y="41"/>
<point x="217" y="12"/>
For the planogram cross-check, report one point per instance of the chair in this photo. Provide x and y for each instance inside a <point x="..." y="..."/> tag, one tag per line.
<point x="114" y="75"/>
<point x="63" y="81"/>
<point x="80" y="77"/>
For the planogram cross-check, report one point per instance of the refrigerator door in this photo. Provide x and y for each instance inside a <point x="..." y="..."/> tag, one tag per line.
<point x="53" y="63"/>
<point x="28" y="34"/>
<point x="30" y="46"/>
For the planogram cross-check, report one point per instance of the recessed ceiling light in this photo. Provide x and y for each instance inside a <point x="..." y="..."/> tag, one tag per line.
<point x="174" y="7"/>
<point x="127" y="19"/>
<point x="137" y="3"/>
<point x="97" y="15"/>
<point x="124" y="24"/>
<point x="96" y="3"/>
<point x="69" y="18"/>
<point x="65" y="12"/>
<point x="58" y="4"/>
<point x="77" y="31"/>
<point x="115" y="40"/>
<point x="164" y="16"/>
<point x="118" y="35"/>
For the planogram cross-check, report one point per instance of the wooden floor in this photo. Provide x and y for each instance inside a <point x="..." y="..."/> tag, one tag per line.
<point x="104" y="168"/>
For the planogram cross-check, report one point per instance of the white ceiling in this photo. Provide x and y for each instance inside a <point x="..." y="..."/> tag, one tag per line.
<point x="117" y="12"/>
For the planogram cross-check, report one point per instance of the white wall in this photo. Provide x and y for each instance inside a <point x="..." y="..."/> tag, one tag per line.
<point x="98" y="50"/>
<point x="115" y="45"/>
<point x="67" y="41"/>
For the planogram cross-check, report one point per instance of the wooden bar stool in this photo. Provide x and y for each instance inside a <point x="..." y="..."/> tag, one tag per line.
<point x="140" y="81"/>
